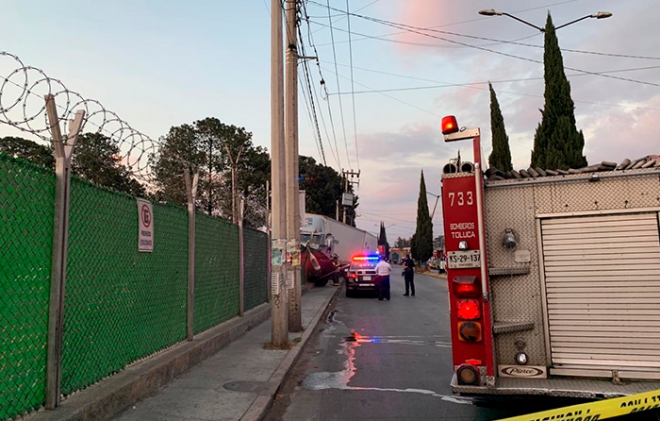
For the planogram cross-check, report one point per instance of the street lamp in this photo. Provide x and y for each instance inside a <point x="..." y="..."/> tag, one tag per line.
<point x="493" y="12"/>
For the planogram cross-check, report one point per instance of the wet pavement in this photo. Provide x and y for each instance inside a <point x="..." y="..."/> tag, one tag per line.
<point x="387" y="360"/>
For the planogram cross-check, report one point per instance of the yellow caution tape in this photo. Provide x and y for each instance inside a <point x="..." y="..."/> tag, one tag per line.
<point x="598" y="410"/>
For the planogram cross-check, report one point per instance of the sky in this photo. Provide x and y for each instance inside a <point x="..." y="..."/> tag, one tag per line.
<point x="163" y="63"/>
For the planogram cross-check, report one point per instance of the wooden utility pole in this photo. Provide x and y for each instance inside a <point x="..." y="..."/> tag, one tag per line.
<point x="291" y="151"/>
<point x="279" y="309"/>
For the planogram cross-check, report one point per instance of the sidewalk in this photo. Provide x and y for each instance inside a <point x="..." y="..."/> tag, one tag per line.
<point x="237" y="383"/>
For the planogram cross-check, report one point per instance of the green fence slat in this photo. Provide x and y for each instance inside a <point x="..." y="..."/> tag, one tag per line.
<point x="26" y="235"/>
<point x="216" y="271"/>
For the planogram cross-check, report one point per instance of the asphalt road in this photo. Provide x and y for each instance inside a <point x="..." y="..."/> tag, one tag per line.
<point x="386" y="360"/>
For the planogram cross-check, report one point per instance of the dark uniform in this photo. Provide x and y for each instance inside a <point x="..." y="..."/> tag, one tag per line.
<point x="409" y="275"/>
<point x="335" y="275"/>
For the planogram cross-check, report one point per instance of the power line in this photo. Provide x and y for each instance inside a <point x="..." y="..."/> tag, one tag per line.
<point x="324" y="87"/>
<point x="311" y="98"/>
<point x="341" y="108"/>
<point x="350" y="51"/>
<point x="454" y="23"/>
<point x="476" y="85"/>
<point x="390" y="96"/>
<point x="415" y="30"/>
<point x="342" y="16"/>
<point x="309" y="113"/>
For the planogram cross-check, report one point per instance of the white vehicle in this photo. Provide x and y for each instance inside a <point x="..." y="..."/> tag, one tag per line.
<point x="346" y="240"/>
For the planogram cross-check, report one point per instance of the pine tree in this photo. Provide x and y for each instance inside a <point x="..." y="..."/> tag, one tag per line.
<point x="423" y="238"/>
<point x="557" y="142"/>
<point x="500" y="158"/>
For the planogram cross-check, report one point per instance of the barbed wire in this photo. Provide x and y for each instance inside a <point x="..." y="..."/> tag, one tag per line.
<point x="23" y="107"/>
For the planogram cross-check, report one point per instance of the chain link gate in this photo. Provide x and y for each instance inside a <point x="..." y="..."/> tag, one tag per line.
<point x="26" y="234"/>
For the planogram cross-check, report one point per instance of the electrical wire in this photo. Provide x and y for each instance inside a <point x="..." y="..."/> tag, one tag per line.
<point x="309" y="91"/>
<point x="412" y="29"/>
<point x="324" y="86"/>
<point x="341" y="108"/>
<point x="458" y="23"/>
<point x="350" y="51"/>
<point x="309" y="114"/>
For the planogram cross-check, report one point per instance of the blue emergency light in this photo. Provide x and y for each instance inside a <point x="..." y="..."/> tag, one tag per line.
<point x="368" y="258"/>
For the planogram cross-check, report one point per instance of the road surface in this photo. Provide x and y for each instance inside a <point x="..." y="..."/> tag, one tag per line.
<point x="386" y="360"/>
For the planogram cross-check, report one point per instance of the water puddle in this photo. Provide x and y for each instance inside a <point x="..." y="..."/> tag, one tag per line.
<point x="340" y="379"/>
<point x="402" y="340"/>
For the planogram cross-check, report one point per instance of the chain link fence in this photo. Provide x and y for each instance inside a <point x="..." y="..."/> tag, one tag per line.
<point x="255" y="268"/>
<point x="120" y="305"/>
<point x="217" y="266"/>
<point x="26" y="235"/>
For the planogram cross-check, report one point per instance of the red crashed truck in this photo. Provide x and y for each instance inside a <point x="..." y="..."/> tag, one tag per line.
<point x="554" y="277"/>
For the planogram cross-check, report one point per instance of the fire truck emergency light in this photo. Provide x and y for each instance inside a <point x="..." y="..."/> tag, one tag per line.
<point x="449" y="125"/>
<point x="468" y="309"/>
<point x="466" y="286"/>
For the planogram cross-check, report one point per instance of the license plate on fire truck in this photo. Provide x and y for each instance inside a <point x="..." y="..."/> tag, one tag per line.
<point x="464" y="259"/>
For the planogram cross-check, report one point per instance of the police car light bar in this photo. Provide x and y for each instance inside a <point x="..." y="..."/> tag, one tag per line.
<point x="370" y="258"/>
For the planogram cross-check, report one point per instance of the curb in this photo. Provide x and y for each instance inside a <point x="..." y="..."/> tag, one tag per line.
<point x="262" y="403"/>
<point x="112" y="395"/>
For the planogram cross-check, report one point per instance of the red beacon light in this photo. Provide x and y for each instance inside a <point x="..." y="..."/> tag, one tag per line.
<point x="366" y="258"/>
<point x="449" y="125"/>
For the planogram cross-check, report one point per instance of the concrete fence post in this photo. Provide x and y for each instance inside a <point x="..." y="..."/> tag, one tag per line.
<point x="191" y="191"/>
<point x="241" y="257"/>
<point x="63" y="154"/>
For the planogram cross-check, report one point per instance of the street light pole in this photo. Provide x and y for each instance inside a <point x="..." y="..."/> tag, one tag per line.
<point x="493" y="12"/>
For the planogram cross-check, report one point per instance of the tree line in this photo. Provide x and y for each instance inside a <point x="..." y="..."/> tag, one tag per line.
<point x="223" y="155"/>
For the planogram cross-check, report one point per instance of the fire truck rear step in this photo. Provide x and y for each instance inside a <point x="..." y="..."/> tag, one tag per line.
<point x="557" y="387"/>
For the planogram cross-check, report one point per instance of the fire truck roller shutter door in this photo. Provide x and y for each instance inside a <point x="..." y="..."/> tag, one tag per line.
<point x="602" y="279"/>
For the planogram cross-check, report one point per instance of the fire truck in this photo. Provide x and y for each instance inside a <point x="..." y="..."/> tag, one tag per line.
<point x="553" y="276"/>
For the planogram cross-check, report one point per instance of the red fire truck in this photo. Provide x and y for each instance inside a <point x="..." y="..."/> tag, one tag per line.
<point x="554" y="277"/>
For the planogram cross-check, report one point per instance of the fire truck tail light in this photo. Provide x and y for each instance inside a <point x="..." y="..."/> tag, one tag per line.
<point x="449" y="125"/>
<point x="466" y="287"/>
<point x="468" y="309"/>
<point x="469" y="331"/>
<point x="467" y="375"/>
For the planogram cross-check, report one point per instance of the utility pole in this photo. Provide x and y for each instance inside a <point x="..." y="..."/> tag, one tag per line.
<point x="294" y="287"/>
<point x="279" y="309"/>
<point x="346" y="197"/>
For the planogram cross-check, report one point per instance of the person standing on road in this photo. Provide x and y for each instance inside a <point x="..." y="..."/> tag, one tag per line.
<point x="383" y="270"/>
<point x="409" y="275"/>
<point x="337" y="265"/>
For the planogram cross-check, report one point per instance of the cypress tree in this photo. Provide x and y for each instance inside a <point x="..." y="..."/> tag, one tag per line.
<point x="557" y="142"/>
<point x="382" y="239"/>
<point x="423" y="238"/>
<point x="500" y="158"/>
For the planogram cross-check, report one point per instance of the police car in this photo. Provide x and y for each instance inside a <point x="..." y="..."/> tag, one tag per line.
<point x="361" y="274"/>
